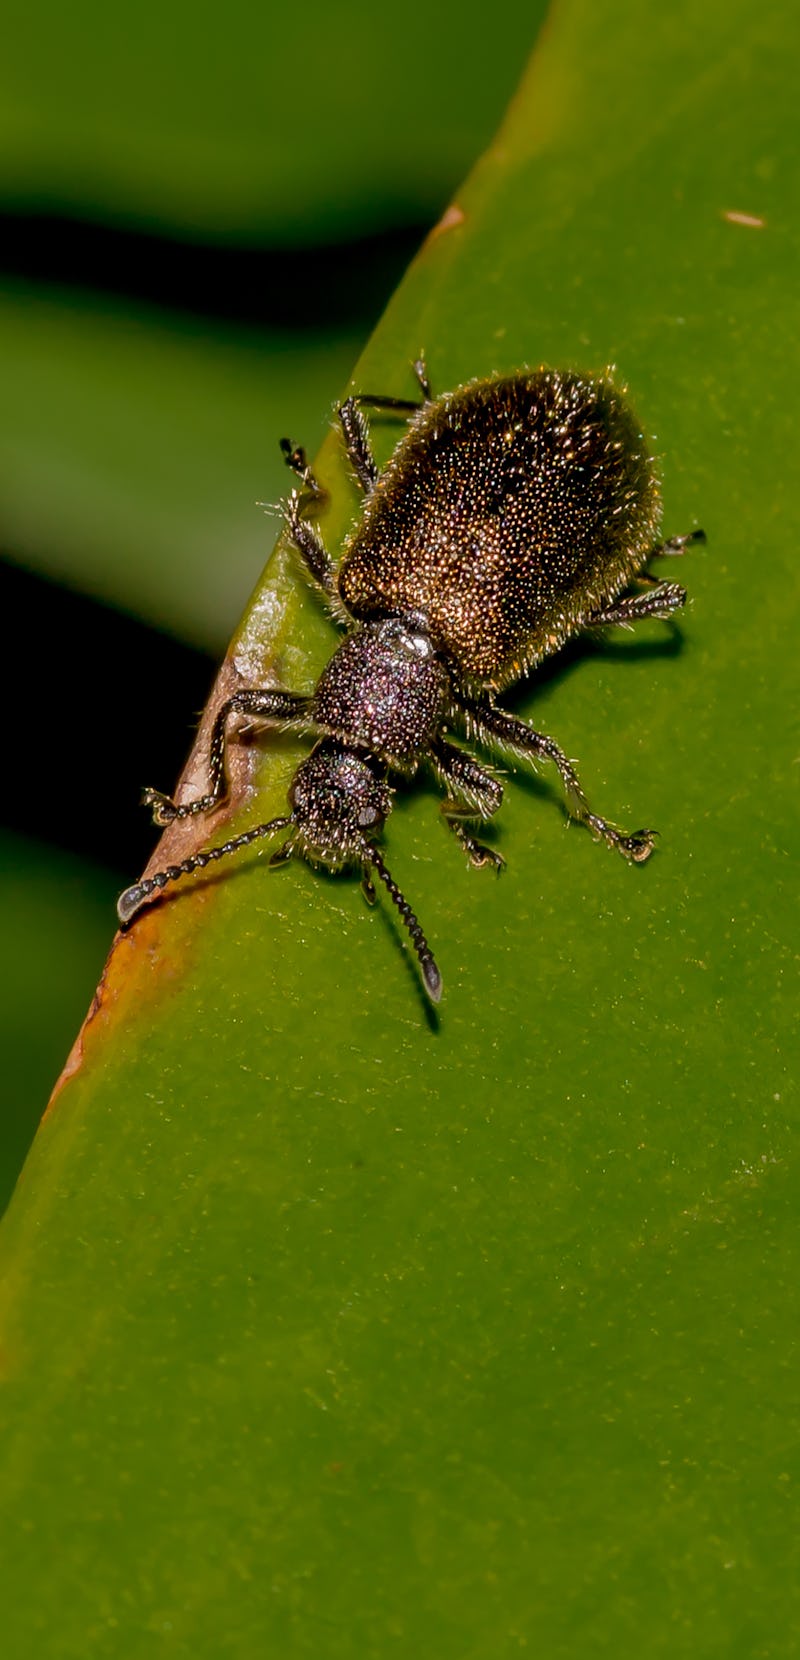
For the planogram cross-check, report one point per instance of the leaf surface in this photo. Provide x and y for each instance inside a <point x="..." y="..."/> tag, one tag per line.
<point x="334" y="1327"/>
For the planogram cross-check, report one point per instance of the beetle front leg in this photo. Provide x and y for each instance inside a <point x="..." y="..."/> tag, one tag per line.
<point x="495" y="725"/>
<point x="474" y="793"/>
<point x="479" y="855"/>
<point x="275" y="707"/>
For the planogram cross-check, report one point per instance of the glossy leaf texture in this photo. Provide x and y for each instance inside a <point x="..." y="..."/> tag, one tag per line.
<point x="332" y="1326"/>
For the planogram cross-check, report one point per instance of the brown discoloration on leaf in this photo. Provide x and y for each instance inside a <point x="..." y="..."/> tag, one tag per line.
<point x="138" y="951"/>
<point x="75" y="1056"/>
<point x="186" y="836"/>
<point x="452" y="217"/>
<point x="147" y="955"/>
<point x="752" y="220"/>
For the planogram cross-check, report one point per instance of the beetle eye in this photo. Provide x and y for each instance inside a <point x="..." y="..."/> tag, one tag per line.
<point x="367" y="815"/>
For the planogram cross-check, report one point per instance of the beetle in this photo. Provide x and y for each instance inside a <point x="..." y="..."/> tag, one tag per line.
<point x="514" y="512"/>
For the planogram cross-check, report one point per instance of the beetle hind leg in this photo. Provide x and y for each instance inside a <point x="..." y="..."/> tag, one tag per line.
<point x="677" y="545"/>
<point x="355" y="430"/>
<point x="295" y="457"/>
<point x="658" y="601"/>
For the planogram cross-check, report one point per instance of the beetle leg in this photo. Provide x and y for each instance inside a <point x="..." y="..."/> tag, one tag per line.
<point x="356" y="443"/>
<point x="480" y="795"/>
<point x="308" y="543"/>
<point x="661" y="599"/>
<point x="658" y="601"/>
<point x="306" y="540"/>
<point x="489" y="722"/>
<point x="295" y="457"/>
<point x="356" y="431"/>
<point x="478" y="853"/>
<point x="421" y="372"/>
<point x="676" y="545"/>
<point x="277" y="707"/>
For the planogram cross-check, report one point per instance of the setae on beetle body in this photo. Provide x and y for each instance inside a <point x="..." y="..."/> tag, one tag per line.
<point x="514" y="512"/>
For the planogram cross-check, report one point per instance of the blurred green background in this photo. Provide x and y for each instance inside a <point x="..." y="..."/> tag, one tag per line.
<point x="203" y="216"/>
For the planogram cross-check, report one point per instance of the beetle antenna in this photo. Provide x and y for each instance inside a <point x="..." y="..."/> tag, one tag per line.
<point x="430" y="972"/>
<point x="142" y="892"/>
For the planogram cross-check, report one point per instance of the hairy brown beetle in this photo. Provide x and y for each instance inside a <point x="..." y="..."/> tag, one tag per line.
<point x="513" y="513"/>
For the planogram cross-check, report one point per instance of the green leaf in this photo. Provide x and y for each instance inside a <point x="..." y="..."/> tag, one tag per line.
<point x="134" y="452"/>
<point x="269" y="126"/>
<point x="54" y="936"/>
<point x="334" y="1327"/>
